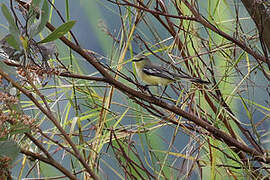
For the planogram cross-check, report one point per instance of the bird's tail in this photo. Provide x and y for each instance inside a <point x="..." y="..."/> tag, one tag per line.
<point x="192" y="79"/>
<point x="199" y="81"/>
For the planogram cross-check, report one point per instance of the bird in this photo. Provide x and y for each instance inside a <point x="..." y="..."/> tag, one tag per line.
<point x="155" y="75"/>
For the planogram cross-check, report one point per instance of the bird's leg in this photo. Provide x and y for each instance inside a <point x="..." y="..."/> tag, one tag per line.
<point x="149" y="91"/>
<point x="146" y="87"/>
<point x="163" y="92"/>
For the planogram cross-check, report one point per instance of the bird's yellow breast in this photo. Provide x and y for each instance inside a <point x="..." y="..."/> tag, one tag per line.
<point x="154" y="80"/>
<point x="149" y="79"/>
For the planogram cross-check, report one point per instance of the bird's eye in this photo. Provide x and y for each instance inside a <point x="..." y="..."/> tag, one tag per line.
<point x="139" y="59"/>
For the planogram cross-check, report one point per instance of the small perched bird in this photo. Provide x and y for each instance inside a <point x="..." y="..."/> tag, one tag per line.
<point x="152" y="74"/>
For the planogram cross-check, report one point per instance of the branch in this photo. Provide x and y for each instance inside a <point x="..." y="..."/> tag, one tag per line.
<point x="52" y="162"/>
<point x="52" y="118"/>
<point x="217" y="133"/>
<point x="131" y="92"/>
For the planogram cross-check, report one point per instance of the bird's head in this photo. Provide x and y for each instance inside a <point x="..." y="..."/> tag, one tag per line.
<point x="140" y="60"/>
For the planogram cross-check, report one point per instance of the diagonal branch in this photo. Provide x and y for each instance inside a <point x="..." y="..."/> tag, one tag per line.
<point x="217" y="133"/>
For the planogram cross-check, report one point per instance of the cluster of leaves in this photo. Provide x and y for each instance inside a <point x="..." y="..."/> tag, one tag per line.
<point x="20" y="44"/>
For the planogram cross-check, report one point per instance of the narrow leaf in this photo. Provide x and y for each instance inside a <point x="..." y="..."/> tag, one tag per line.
<point x="14" y="30"/>
<point x="59" y="32"/>
<point x="12" y="42"/>
<point x="43" y="19"/>
<point x="10" y="19"/>
<point x="33" y="12"/>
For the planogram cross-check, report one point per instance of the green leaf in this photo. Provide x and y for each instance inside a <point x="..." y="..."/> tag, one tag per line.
<point x="11" y="149"/>
<point x="12" y="42"/>
<point x="37" y="27"/>
<point x="59" y="32"/>
<point x="14" y="30"/>
<point x="32" y="14"/>
<point x="44" y="17"/>
<point x="31" y="26"/>
<point x="10" y="19"/>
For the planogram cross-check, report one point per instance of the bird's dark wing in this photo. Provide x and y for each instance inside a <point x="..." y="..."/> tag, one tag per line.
<point x="157" y="71"/>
